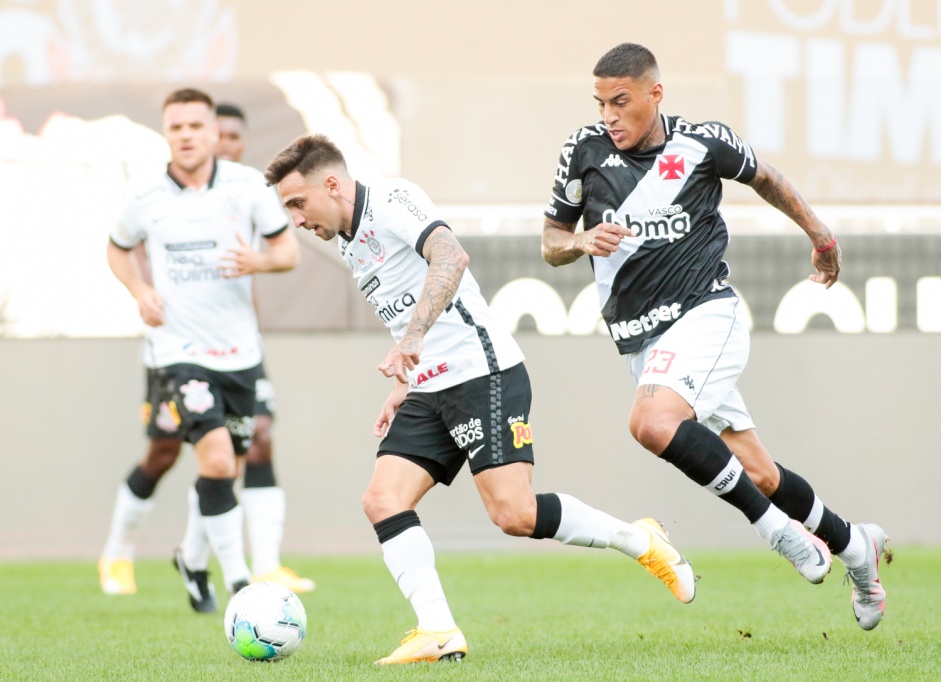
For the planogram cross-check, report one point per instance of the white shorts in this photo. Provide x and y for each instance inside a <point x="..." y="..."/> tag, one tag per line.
<point x="701" y="358"/>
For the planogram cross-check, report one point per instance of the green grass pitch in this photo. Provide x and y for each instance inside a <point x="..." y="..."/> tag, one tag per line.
<point x="565" y="615"/>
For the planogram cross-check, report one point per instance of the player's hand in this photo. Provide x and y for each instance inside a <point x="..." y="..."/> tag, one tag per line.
<point x="242" y="261"/>
<point x="403" y="356"/>
<point x="389" y="408"/>
<point x="602" y="240"/>
<point x="827" y="265"/>
<point x="150" y="306"/>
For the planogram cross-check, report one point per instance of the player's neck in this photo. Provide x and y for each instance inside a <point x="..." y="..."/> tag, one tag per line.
<point x="196" y="177"/>
<point x="655" y="137"/>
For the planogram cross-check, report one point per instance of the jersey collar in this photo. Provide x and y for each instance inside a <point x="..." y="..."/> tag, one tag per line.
<point x="212" y="177"/>
<point x="359" y="209"/>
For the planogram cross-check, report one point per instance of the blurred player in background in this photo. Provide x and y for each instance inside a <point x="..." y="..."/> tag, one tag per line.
<point x="199" y="222"/>
<point x="460" y="391"/>
<point x="647" y="188"/>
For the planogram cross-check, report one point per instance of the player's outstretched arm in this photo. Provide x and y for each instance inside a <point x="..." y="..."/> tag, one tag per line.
<point x="447" y="261"/>
<point x="125" y="267"/>
<point x="777" y="190"/>
<point x="561" y="245"/>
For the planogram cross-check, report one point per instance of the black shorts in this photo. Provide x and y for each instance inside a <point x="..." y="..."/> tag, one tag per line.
<point x="484" y="421"/>
<point x="264" y="395"/>
<point x="185" y="402"/>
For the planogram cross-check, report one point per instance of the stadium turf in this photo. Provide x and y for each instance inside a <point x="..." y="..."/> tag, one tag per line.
<point x="566" y="615"/>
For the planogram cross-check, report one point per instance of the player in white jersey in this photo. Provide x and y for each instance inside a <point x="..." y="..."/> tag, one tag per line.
<point x="647" y="188"/>
<point x="202" y="350"/>
<point x="460" y="391"/>
<point x="263" y="501"/>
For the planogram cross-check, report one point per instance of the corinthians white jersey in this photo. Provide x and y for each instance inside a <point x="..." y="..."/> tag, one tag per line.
<point x="208" y="320"/>
<point x="391" y="221"/>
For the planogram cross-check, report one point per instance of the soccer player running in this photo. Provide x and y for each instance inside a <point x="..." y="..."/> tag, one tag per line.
<point x="263" y="501"/>
<point x="202" y="351"/>
<point x="460" y="391"/>
<point x="647" y="188"/>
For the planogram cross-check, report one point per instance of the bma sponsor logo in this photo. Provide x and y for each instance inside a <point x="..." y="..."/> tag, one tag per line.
<point x="726" y="482"/>
<point x="522" y="434"/>
<point x="388" y="311"/>
<point x="376" y="249"/>
<point x="614" y="161"/>
<point x="401" y="197"/>
<point x="646" y="323"/>
<point x="429" y="374"/>
<point x="370" y="286"/>
<point x="671" y="166"/>
<point x="467" y="432"/>
<point x="669" y="223"/>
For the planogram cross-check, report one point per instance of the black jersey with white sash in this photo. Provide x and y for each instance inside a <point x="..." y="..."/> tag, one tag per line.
<point x="669" y="195"/>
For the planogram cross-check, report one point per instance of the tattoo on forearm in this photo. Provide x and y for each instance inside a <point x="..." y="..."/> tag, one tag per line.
<point x="441" y="282"/>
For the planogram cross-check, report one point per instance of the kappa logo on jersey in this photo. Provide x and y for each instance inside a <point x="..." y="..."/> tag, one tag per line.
<point x="376" y="248"/>
<point x="671" y="166"/>
<point x="468" y="432"/>
<point x="168" y="417"/>
<point x="430" y="374"/>
<point x="401" y="197"/>
<point x="613" y="160"/>
<point x="197" y="397"/>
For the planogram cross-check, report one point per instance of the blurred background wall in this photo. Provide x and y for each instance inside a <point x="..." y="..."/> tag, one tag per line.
<point x="473" y="102"/>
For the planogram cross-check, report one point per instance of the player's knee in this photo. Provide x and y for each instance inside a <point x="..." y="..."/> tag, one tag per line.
<point x="651" y="432"/>
<point x="379" y="504"/>
<point x="515" y="518"/>
<point x="161" y="456"/>
<point x="764" y="480"/>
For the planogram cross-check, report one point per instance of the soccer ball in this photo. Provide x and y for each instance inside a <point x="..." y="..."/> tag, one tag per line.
<point x="265" y="622"/>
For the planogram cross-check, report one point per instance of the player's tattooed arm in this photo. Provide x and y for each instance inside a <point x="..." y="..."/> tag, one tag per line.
<point x="447" y="261"/>
<point x="777" y="190"/>
<point x="561" y="245"/>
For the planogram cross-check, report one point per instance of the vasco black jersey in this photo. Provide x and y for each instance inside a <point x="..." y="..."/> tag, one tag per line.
<point x="670" y="196"/>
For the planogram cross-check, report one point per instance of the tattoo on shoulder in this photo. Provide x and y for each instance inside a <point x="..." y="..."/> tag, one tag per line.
<point x="649" y="390"/>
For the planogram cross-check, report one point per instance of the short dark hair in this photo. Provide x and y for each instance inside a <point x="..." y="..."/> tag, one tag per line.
<point x="187" y="95"/>
<point x="627" y="60"/>
<point x="231" y="110"/>
<point x="305" y="155"/>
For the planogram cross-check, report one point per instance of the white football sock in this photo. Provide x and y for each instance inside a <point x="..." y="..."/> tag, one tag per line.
<point x="772" y="520"/>
<point x="855" y="553"/>
<point x="130" y="514"/>
<point x="586" y="526"/>
<point x="264" y="516"/>
<point x="410" y="559"/>
<point x="195" y="546"/>
<point x="225" y="536"/>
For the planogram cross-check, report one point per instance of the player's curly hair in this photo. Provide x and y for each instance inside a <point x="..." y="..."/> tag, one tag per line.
<point x="627" y="60"/>
<point x="305" y="155"/>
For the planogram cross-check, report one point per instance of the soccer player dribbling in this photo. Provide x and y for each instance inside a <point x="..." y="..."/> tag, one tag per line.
<point x="647" y="188"/>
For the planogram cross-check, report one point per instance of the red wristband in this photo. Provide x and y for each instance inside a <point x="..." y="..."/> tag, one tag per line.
<point x="827" y="247"/>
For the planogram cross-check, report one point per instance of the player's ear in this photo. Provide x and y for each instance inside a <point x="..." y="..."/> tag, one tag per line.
<point x="656" y="93"/>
